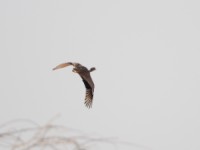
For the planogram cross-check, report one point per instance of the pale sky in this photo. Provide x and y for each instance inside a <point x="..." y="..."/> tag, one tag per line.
<point x="146" y="53"/>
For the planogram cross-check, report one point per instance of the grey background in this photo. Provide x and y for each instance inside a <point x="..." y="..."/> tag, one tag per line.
<point x="147" y="59"/>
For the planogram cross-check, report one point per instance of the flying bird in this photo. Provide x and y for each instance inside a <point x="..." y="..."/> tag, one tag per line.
<point x="87" y="80"/>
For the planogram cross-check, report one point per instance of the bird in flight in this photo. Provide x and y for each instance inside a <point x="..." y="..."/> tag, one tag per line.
<point x="87" y="80"/>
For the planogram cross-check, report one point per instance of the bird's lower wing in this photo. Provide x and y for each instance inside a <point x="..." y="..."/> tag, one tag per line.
<point x="89" y="94"/>
<point x="88" y="98"/>
<point x="62" y="65"/>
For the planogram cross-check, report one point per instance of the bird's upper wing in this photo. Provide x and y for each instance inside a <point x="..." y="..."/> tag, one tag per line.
<point x="89" y="85"/>
<point x="63" y="65"/>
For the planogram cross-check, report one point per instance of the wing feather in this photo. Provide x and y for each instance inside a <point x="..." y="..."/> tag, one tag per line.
<point x="62" y="65"/>
<point x="89" y="90"/>
<point x="86" y="76"/>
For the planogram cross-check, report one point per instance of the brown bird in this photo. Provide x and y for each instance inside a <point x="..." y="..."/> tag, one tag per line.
<point x="87" y="80"/>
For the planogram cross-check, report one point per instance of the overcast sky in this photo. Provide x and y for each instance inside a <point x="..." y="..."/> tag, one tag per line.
<point x="147" y="56"/>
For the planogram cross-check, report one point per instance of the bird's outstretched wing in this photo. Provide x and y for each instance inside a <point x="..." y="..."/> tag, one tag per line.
<point x="89" y="85"/>
<point x="63" y="65"/>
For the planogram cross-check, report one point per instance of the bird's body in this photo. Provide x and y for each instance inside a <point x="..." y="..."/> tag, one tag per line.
<point x="87" y="80"/>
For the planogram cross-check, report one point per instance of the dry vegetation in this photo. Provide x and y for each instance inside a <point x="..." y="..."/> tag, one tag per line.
<point x="27" y="135"/>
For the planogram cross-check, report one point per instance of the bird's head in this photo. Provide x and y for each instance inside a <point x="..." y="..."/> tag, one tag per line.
<point x="92" y="69"/>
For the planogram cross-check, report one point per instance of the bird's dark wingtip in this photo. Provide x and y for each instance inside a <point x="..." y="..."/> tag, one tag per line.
<point x="88" y="105"/>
